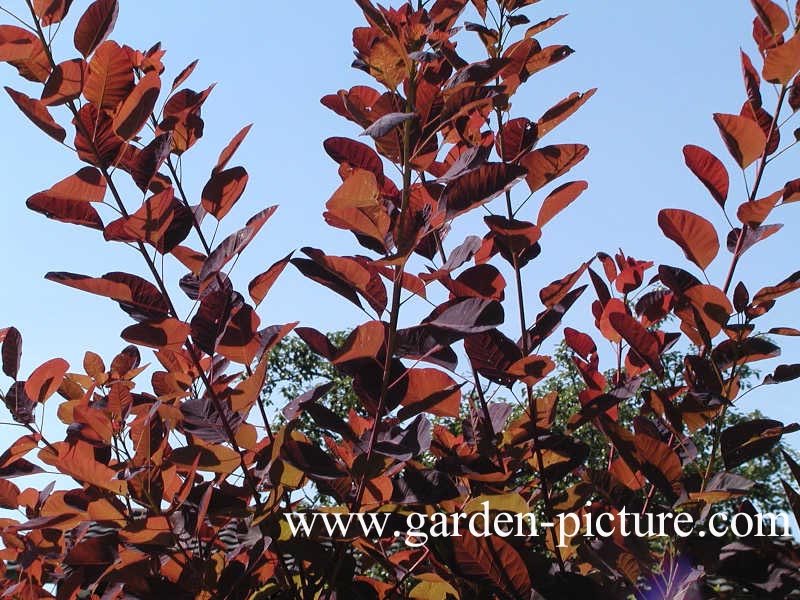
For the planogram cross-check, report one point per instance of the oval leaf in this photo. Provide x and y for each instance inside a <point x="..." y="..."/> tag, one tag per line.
<point x="695" y="235"/>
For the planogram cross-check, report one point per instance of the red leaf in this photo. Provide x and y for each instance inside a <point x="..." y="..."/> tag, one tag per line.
<point x="644" y="343"/>
<point x="110" y="77"/>
<point x="517" y="137"/>
<point x="260" y="285"/>
<point x="772" y="16"/>
<point x="744" y="138"/>
<point x="161" y="221"/>
<point x="102" y="146"/>
<point x="234" y="243"/>
<point x="95" y="25"/>
<point x="709" y="170"/>
<point x="46" y="379"/>
<point x="555" y="292"/>
<point x="548" y="163"/>
<point x="752" y="81"/>
<point x="88" y="184"/>
<point x="139" y="298"/>
<point x="231" y="148"/>
<point x="559" y="199"/>
<point x="223" y="190"/>
<point x="695" y="235"/>
<point x="65" y="210"/>
<point x="37" y="112"/>
<point x="51" y="12"/>
<point x="65" y="82"/>
<point x="562" y="111"/>
<point x="767" y="294"/>
<point x="137" y="107"/>
<point x="355" y="154"/>
<point x="491" y="354"/>
<point x="493" y="561"/>
<point x="183" y="75"/>
<point x="143" y="165"/>
<point x="794" y="94"/>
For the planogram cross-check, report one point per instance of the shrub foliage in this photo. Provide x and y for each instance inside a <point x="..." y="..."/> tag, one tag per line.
<point x="180" y="478"/>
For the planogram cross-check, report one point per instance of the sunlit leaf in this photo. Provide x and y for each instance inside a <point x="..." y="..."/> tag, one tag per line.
<point x="95" y="25"/>
<point x="695" y="235"/>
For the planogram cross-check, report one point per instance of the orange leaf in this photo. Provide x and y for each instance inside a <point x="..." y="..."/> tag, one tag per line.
<point x="355" y="205"/>
<point x="51" y="12"/>
<point x="695" y="235"/>
<point x="46" y="379"/>
<point x="231" y="148"/>
<point x="744" y="137"/>
<point x="754" y="213"/>
<point x="157" y="334"/>
<point x="110" y="78"/>
<point x="223" y="190"/>
<point x="773" y="16"/>
<point x="562" y="111"/>
<point x="530" y="370"/>
<point x="37" y="112"/>
<point x="555" y="292"/>
<point x="260" y="285"/>
<point x="431" y="391"/>
<point x="134" y="111"/>
<point x="782" y="62"/>
<point x="9" y="495"/>
<point x="559" y="199"/>
<point x="77" y="460"/>
<point x="65" y="82"/>
<point x="548" y="163"/>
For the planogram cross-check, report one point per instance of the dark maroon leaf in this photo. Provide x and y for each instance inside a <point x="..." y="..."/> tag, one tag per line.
<point x="745" y="441"/>
<point x="11" y="351"/>
<point x="479" y="186"/>
<point x="492" y="354"/>
<point x="466" y="315"/>
<point x="783" y="373"/>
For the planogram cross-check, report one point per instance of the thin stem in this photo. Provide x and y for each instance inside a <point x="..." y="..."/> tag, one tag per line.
<point x="752" y="196"/>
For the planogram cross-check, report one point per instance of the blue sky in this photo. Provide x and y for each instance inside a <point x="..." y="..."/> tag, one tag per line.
<point x="662" y="69"/>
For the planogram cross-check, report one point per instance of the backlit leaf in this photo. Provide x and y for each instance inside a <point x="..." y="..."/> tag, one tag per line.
<point x="744" y="138"/>
<point x="695" y="235"/>
<point x="261" y="284"/>
<point x="37" y="112"/>
<point x="229" y="150"/>
<point x="95" y="25"/>
<point x="46" y="379"/>
<point x="782" y="62"/>
<point x="223" y="190"/>
<point x="709" y="170"/>
<point x="479" y="186"/>
<point x="548" y="163"/>
<point x="65" y="82"/>
<point x="110" y="77"/>
<point x="135" y="110"/>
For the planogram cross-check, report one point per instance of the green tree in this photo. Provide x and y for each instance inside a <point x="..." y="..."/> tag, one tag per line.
<point x="294" y="369"/>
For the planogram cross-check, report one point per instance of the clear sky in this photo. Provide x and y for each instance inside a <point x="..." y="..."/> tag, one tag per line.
<point x="662" y="69"/>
